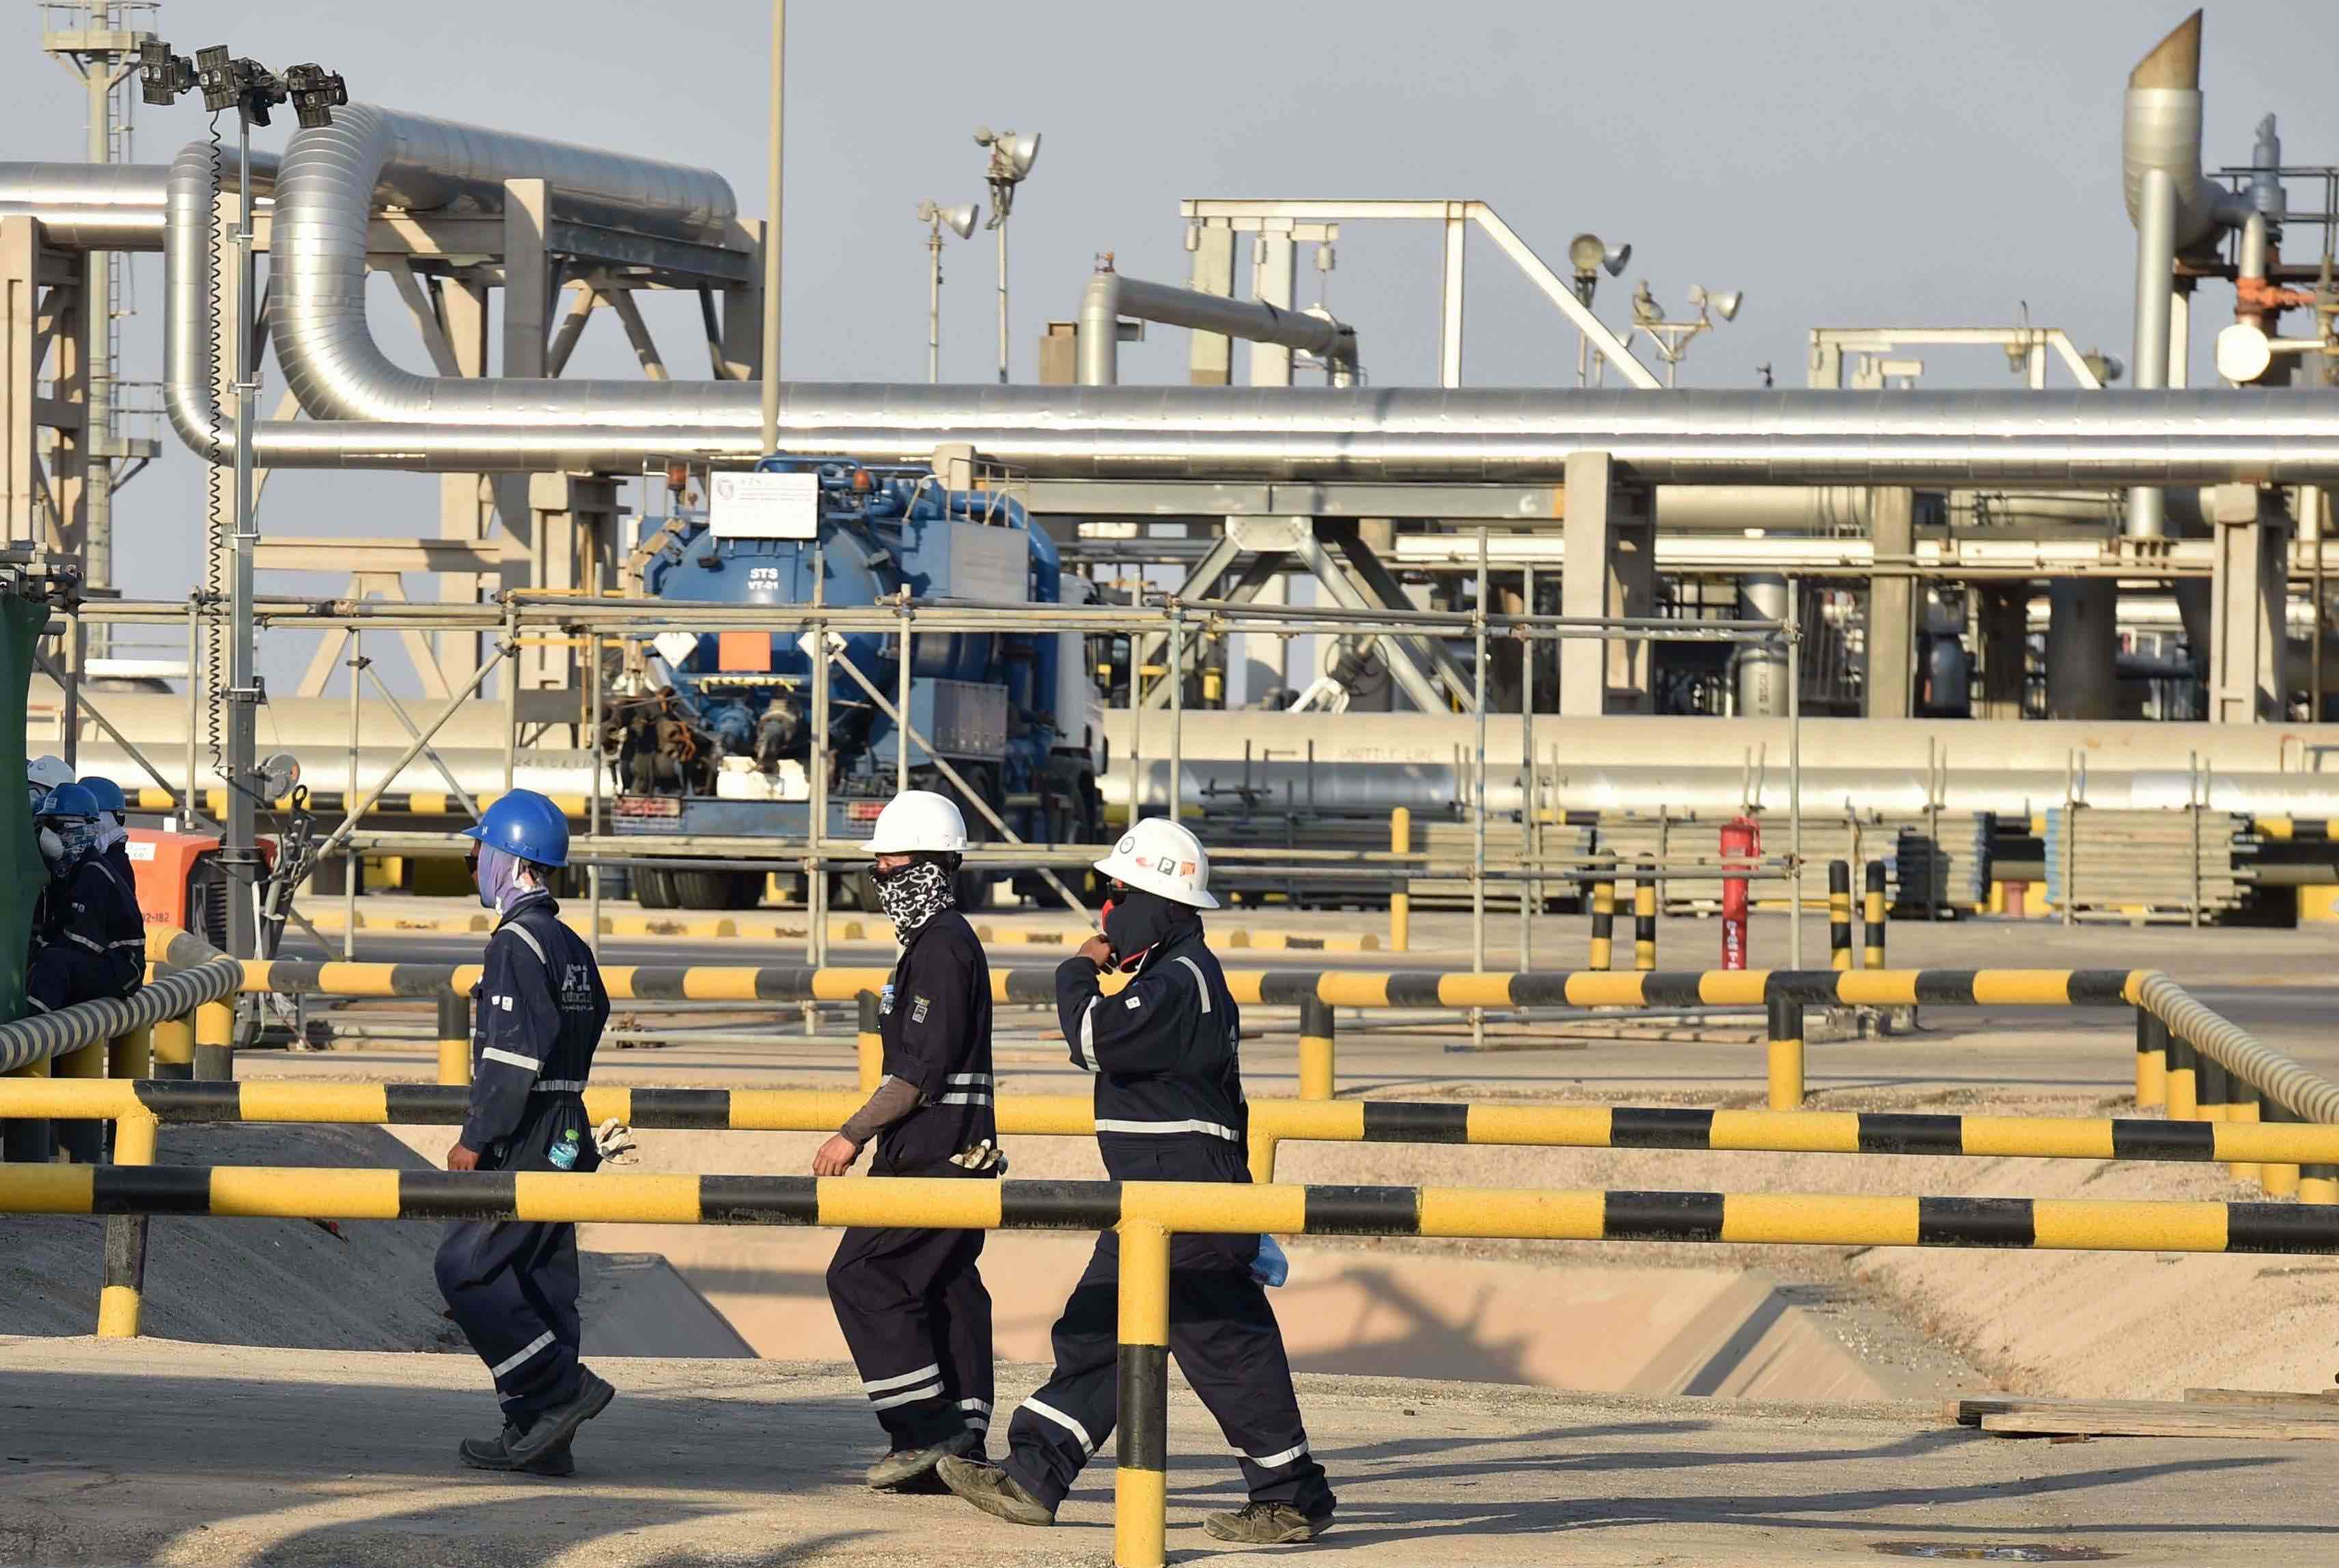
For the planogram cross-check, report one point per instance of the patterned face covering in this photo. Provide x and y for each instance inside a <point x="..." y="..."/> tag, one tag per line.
<point x="913" y="896"/>
<point x="499" y="877"/>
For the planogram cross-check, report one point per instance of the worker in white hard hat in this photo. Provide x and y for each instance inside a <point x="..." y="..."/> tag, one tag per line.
<point x="1169" y="1108"/>
<point x="911" y="1302"/>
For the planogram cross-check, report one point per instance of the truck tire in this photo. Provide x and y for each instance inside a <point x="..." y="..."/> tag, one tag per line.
<point x="701" y="888"/>
<point x="652" y="887"/>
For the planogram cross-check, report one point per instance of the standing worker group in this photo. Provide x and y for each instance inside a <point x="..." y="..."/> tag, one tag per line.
<point x="910" y="1302"/>
<point x="89" y="940"/>
<point x="1169" y="1106"/>
<point x="538" y="1012"/>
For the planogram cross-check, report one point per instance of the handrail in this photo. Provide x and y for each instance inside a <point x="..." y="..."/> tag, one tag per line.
<point x="1272" y="1121"/>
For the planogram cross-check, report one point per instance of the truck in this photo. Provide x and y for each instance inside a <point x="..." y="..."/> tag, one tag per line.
<point x="710" y="734"/>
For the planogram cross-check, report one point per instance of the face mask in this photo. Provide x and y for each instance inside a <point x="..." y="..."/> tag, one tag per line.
<point x="110" y="831"/>
<point x="1136" y="921"/>
<point x="52" y="848"/>
<point x="498" y="878"/>
<point x="913" y="896"/>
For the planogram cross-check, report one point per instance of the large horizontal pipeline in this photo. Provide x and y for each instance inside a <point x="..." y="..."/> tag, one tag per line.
<point x="1288" y="988"/>
<point x="1807" y="1220"/>
<point x="1334" y="1121"/>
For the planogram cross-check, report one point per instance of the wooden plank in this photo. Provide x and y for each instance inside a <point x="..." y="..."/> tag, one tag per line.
<point x="2261" y="1427"/>
<point x="1977" y="1409"/>
<point x="2325" y="1398"/>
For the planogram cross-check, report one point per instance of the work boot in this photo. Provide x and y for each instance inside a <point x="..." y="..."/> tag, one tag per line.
<point x="554" y="1427"/>
<point x="993" y="1490"/>
<point x="1267" y="1524"/>
<point x="898" y="1469"/>
<point x="494" y="1453"/>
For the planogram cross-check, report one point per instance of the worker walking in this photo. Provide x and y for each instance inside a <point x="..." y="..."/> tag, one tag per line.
<point x="910" y="1302"/>
<point x="1169" y="1108"/>
<point x="538" y="1011"/>
<point x="89" y="941"/>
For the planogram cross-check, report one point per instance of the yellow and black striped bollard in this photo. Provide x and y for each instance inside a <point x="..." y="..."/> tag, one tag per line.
<point x="1604" y="925"/>
<point x="1316" y="1049"/>
<point x="174" y="1049"/>
<point x="1141" y="1454"/>
<point x="2279" y="1180"/>
<point x="1872" y="917"/>
<point x="1786" y="1054"/>
<point x="215" y="1041"/>
<point x="2242" y="1105"/>
<point x="2183" y="1081"/>
<point x="2151" y="1061"/>
<point x="869" y="1041"/>
<point x="454" y="1036"/>
<point x="1838" y="914"/>
<point x="1645" y="918"/>
<point x="123" y="1296"/>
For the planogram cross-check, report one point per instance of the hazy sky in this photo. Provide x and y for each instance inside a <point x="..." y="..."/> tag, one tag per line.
<point x="1845" y="164"/>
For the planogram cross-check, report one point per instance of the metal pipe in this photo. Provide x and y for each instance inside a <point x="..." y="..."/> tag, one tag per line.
<point x="768" y="390"/>
<point x="1110" y="296"/>
<point x="2155" y="255"/>
<point x="367" y="413"/>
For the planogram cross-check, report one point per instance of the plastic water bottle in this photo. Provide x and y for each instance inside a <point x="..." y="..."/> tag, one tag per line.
<point x="1270" y="1267"/>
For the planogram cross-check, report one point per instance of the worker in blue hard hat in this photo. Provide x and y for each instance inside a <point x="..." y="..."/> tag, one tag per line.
<point x="89" y="941"/>
<point x="113" y="824"/>
<point x="536" y="1015"/>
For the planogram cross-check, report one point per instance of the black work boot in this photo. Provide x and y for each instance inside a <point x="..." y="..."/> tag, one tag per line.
<point x="993" y="1490"/>
<point x="898" y="1470"/>
<point x="554" y="1427"/>
<point x="1267" y="1524"/>
<point x="494" y="1453"/>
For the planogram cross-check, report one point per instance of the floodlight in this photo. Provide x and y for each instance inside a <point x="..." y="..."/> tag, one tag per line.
<point x="1011" y="157"/>
<point x="1583" y="254"/>
<point x="163" y="75"/>
<point x="229" y="83"/>
<point x="1722" y="305"/>
<point x="2104" y="368"/>
<point x="958" y="219"/>
<point x="316" y="93"/>
<point x="1645" y="308"/>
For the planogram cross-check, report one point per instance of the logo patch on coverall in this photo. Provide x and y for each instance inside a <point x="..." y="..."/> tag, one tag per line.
<point x="918" y="1010"/>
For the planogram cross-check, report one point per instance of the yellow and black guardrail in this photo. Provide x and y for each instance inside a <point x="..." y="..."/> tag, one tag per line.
<point x="1146" y="1215"/>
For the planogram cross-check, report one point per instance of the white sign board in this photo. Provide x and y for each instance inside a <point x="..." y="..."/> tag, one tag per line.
<point x="763" y="505"/>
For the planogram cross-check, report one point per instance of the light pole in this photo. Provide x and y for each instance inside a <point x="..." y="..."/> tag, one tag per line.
<point x="1590" y="255"/>
<point x="961" y="222"/>
<point x="1673" y="338"/>
<point x="235" y="82"/>
<point x="1011" y="157"/>
<point x="773" y="191"/>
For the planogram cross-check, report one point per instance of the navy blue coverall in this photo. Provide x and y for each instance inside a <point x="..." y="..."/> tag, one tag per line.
<point x="1169" y="1106"/>
<point x="910" y="1302"/>
<point x="89" y="939"/>
<point x="511" y="1286"/>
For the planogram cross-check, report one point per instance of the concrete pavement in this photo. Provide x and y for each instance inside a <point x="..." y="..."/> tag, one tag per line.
<point x="211" y="1457"/>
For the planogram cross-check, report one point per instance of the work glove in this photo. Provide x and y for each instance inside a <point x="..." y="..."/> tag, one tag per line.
<point x="982" y="1156"/>
<point x="615" y="1141"/>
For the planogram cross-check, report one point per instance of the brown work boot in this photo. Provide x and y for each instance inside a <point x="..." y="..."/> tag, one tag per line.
<point x="995" y="1492"/>
<point x="1267" y="1524"/>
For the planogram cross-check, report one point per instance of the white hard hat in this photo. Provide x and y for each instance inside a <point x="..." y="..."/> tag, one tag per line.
<point x="1162" y="857"/>
<point x="48" y="773"/>
<point x="919" y="820"/>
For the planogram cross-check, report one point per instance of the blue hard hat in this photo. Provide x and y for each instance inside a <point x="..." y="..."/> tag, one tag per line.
<point x="527" y="824"/>
<point x="70" y="800"/>
<point x="106" y="793"/>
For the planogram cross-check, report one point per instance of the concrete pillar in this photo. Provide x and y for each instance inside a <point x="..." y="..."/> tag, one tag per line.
<point x="2083" y="649"/>
<point x="743" y="318"/>
<point x="528" y="277"/>
<point x="2001" y="627"/>
<point x="1270" y="363"/>
<point x="1891" y="607"/>
<point x="1611" y="571"/>
<point x="2248" y="638"/>
<point x="575" y="522"/>
<point x="1210" y="358"/>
